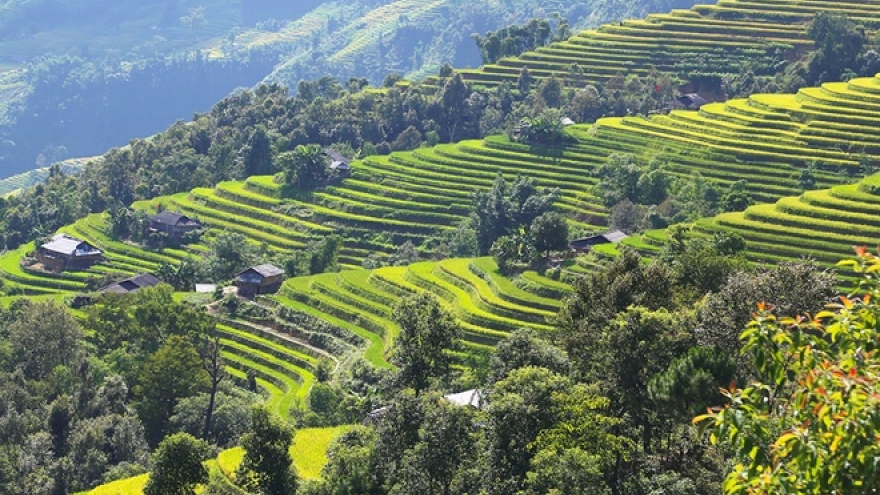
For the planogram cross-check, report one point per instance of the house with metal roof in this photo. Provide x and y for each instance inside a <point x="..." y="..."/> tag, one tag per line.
<point x="586" y="243"/>
<point x="65" y="252"/>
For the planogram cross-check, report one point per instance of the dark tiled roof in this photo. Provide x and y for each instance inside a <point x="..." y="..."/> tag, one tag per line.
<point x="172" y="218"/>
<point x="336" y="156"/>
<point x="132" y="284"/>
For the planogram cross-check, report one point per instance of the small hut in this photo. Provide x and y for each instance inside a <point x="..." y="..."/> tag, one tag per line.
<point x="584" y="244"/>
<point x="68" y="253"/>
<point x="132" y="284"/>
<point x="174" y="224"/>
<point x="338" y="162"/>
<point x="261" y="279"/>
<point x="692" y="101"/>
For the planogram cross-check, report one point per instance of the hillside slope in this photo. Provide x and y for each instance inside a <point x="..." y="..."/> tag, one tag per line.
<point x="707" y="39"/>
<point x="418" y="194"/>
<point x="765" y="140"/>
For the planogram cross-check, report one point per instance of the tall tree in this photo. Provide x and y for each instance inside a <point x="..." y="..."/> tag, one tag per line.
<point x="808" y="423"/>
<point x="257" y="152"/>
<point x="44" y="335"/>
<point x="172" y="373"/>
<point x="177" y="466"/>
<point x="428" y="333"/>
<point x="267" y="467"/>
<point x="549" y="233"/>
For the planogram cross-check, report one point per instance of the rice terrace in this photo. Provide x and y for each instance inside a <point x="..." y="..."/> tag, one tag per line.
<point x="310" y="253"/>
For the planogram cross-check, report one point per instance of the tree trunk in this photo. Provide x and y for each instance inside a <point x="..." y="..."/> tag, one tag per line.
<point x="212" y="362"/>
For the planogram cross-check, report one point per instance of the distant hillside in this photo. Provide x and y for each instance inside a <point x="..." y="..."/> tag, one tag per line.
<point x="411" y="196"/>
<point x="78" y="77"/>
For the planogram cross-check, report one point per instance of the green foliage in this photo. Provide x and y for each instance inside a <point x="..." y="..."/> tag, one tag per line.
<point x="546" y="129"/>
<point x="267" y="467"/>
<point x="497" y="213"/>
<point x="526" y="348"/>
<point x="428" y="332"/>
<point x="514" y="40"/>
<point x="305" y="167"/>
<point x="177" y="466"/>
<point x="43" y="336"/>
<point x="549" y="232"/>
<point x="808" y="424"/>
<point x="690" y="385"/>
<point x="173" y="373"/>
<point x="230" y="253"/>
<point x="350" y="468"/>
<point x="704" y="264"/>
<point x="839" y="42"/>
<point x="318" y="257"/>
<point x="792" y="287"/>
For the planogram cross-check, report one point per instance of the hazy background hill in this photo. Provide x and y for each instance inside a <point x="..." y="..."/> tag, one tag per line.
<point x="78" y="77"/>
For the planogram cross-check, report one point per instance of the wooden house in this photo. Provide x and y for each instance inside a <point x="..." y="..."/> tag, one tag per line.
<point x="339" y="163"/>
<point x="261" y="279"/>
<point x="173" y="224"/>
<point x="64" y="252"/>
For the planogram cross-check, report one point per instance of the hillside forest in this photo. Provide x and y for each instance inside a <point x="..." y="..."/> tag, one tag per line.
<point x="559" y="272"/>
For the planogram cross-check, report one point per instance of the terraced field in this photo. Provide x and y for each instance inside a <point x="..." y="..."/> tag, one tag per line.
<point x="765" y="139"/>
<point x="722" y="36"/>
<point x="487" y="304"/>
<point x="824" y="224"/>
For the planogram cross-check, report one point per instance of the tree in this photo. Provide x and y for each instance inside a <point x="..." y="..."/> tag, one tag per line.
<point x="502" y="211"/>
<point x="409" y="139"/>
<point x="177" y="466"/>
<point x="351" y="464"/>
<point x="491" y="214"/>
<point x="549" y="233"/>
<point x="172" y="373"/>
<point x="208" y="347"/>
<point x="428" y="333"/>
<point x="304" y="167"/>
<point x="257" y="153"/>
<point x="44" y="335"/>
<point x="808" y="424"/>
<point x="524" y="81"/>
<point x="526" y="348"/>
<point x="230" y="253"/>
<point x="790" y="288"/>
<point x="518" y="412"/>
<point x="267" y="467"/>
<point x="601" y="295"/>
<point x="839" y="43"/>
<point x="447" y="440"/>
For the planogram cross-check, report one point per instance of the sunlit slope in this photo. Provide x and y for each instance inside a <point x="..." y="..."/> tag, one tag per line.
<point x="823" y="224"/>
<point x="717" y="38"/>
<point x="766" y="140"/>
<point x="487" y="304"/>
